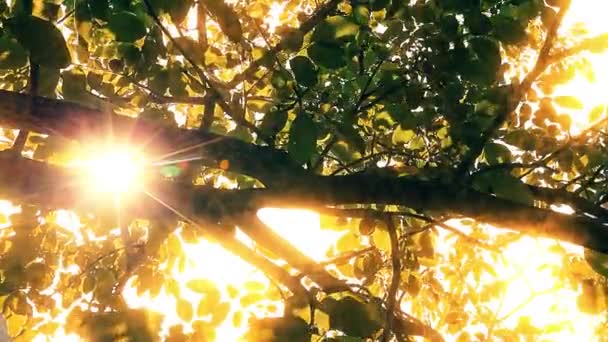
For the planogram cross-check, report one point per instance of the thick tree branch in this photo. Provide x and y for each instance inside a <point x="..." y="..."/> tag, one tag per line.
<point x="34" y="182"/>
<point x="29" y="181"/>
<point x="33" y="86"/>
<point x="562" y="196"/>
<point x="72" y="121"/>
<point x="288" y="184"/>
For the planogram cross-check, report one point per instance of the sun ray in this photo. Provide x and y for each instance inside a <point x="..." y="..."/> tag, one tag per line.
<point x="166" y="205"/>
<point x="189" y="148"/>
<point x="176" y="161"/>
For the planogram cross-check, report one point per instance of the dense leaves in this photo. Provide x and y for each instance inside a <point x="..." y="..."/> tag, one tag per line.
<point x="418" y="114"/>
<point x="42" y="39"/>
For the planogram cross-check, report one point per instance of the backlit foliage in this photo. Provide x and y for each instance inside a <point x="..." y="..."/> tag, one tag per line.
<point x="387" y="88"/>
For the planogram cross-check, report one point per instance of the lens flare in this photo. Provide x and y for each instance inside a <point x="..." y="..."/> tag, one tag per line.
<point x="116" y="170"/>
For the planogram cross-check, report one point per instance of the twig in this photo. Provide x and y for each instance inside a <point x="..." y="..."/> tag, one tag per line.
<point x="304" y="28"/>
<point x="345" y="257"/>
<point x="21" y="139"/>
<point x="395" y="278"/>
<point x="267" y="238"/>
<point x="210" y="85"/>
<point x="525" y="302"/>
<point x="541" y="64"/>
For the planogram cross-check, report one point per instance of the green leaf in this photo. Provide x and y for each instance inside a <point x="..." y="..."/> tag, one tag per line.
<point x="352" y="137"/>
<point x="361" y="14"/>
<point x="497" y="153"/>
<point x="329" y="56"/>
<point x="89" y="283"/>
<point x="189" y="46"/>
<point x="508" y="30"/>
<point x="504" y="185"/>
<point x="487" y="50"/>
<point x="598" y="261"/>
<point x="201" y="285"/>
<point x="18" y="304"/>
<point x="523" y="139"/>
<point x="304" y="70"/>
<point x="335" y="30"/>
<point x="227" y="18"/>
<point x="178" y="9"/>
<point x="343" y="151"/>
<point x="48" y="80"/>
<point x="403" y="136"/>
<point x="293" y="40"/>
<point x="302" y="138"/>
<point x="73" y="87"/>
<point x="12" y="54"/>
<point x="127" y="26"/>
<point x="478" y="23"/>
<point x="353" y="317"/>
<point x="43" y="40"/>
<point x="377" y="5"/>
<point x="273" y="122"/>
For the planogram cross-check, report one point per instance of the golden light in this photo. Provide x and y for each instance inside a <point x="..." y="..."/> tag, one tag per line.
<point x="206" y="260"/>
<point x="527" y="283"/>
<point x="589" y="86"/>
<point x="528" y="267"/>
<point x="117" y="170"/>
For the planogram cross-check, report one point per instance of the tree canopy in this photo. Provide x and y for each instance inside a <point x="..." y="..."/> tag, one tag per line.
<point x="435" y="137"/>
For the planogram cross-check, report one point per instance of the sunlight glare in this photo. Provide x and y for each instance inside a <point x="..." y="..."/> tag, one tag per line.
<point x="535" y="290"/>
<point x="115" y="170"/>
<point x="589" y="89"/>
<point x="205" y="260"/>
<point x="531" y="269"/>
<point x="302" y="228"/>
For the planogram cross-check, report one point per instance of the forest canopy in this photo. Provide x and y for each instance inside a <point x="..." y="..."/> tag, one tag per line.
<point x="338" y="170"/>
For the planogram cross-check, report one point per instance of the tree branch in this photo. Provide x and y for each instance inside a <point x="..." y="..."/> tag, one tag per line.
<point x="287" y="183"/>
<point x="511" y="104"/>
<point x="304" y="28"/>
<point x="73" y="121"/>
<point x="395" y="278"/>
<point x="30" y="181"/>
<point x="267" y="238"/>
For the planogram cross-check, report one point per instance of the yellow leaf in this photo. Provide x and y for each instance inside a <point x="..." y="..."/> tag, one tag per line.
<point x="382" y="240"/>
<point x="258" y="10"/>
<point x="348" y="242"/>
<point x="201" y="285"/>
<point x="184" y="310"/>
<point x="254" y="286"/>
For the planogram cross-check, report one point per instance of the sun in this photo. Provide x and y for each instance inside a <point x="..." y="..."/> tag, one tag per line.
<point x="112" y="170"/>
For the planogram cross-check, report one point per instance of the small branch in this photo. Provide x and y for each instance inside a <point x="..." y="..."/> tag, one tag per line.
<point x="541" y="64"/>
<point x="236" y="114"/>
<point x="305" y="27"/>
<point x="267" y="238"/>
<point x="275" y="272"/>
<point x="511" y="166"/>
<point x="201" y="27"/>
<point x="588" y="44"/>
<point x="451" y="229"/>
<point x="395" y="279"/>
<point x="525" y="302"/>
<point x="345" y="257"/>
<point x="34" y="81"/>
